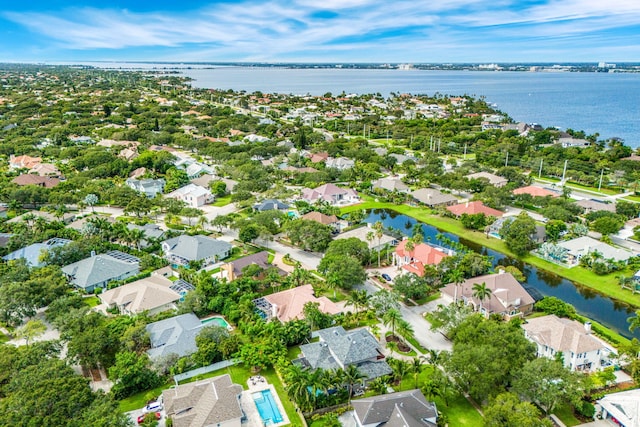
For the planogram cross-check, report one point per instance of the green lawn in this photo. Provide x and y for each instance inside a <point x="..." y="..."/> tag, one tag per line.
<point x="460" y="412"/>
<point x="3" y="338"/>
<point x="222" y="201"/>
<point x="632" y="198"/>
<point x="565" y="413"/>
<point x="91" y="301"/>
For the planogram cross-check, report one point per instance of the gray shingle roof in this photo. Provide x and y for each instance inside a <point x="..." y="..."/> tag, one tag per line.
<point x="195" y="248"/>
<point x="101" y="268"/>
<point x="338" y="348"/>
<point x="32" y="253"/>
<point x="270" y="204"/>
<point x="402" y="409"/>
<point x="176" y="335"/>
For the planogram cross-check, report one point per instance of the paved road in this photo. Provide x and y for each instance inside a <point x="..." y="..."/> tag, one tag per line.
<point x="421" y="328"/>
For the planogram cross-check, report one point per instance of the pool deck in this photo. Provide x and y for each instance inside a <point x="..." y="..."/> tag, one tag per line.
<point x="258" y="383"/>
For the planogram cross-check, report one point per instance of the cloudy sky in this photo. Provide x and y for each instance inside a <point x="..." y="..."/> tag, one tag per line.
<point x="321" y="30"/>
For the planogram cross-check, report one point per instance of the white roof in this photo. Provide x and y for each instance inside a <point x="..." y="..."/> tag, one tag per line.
<point x="624" y="406"/>
<point x="585" y="244"/>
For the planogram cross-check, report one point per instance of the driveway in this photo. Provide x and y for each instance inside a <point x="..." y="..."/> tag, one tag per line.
<point x="422" y="329"/>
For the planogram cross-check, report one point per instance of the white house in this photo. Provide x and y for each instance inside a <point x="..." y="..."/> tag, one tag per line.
<point x="581" y="351"/>
<point x="192" y="195"/>
<point x="149" y="187"/>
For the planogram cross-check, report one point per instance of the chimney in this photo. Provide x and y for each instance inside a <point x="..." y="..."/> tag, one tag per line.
<point x="501" y="271"/>
<point x="466" y="205"/>
<point x="587" y="327"/>
<point x="93" y="253"/>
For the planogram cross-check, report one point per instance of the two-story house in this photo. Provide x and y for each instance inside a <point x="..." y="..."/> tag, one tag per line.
<point x="580" y="350"/>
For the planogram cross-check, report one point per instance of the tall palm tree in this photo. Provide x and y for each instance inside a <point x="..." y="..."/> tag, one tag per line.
<point x="378" y="228"/>
<point x="457" y="278"/>
<point x="391" y="319"/>
<point x="481" y="292"/>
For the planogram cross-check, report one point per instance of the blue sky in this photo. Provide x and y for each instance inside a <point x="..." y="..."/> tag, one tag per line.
<point x="415" y="31"/>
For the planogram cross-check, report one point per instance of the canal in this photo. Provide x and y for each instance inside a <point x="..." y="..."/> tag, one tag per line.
<point x="587" y="302"/>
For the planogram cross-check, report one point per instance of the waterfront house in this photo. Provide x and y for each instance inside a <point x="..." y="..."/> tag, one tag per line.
<point x="337" y="349"/>
<point x="289" y="304"/>
<point x="148" y="187"/>
<point x="401" y="409"/>
<point x="192" y="195"/>
<point x="581" y="351"/>
<point x="362" y="233"/>
<point x="331" y="194"/>
<point x="330" y="220"/>
<point x="581" y="246"/>
<point x="205" y="403"/>
<point x="495" y="180"/>
<point x="508" y="298"/>
<point x="98" y="270"/>
<point x="414" y="261"/>
<point x="182" y="250"/>
<point x="433" y="198"/>
<point x="175" y="335"/>
<point x="471" y="208"/>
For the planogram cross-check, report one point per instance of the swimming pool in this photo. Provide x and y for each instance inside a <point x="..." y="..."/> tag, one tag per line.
<point x="267" y="407"/>
<point x="217" y="321"/>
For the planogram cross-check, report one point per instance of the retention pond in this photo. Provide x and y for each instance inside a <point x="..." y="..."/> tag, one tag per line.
<point x="612" y="314"/>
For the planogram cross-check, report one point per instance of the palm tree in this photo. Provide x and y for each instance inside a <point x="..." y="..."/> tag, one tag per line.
<point x="481" y="292"/>
<point x="416" y="367"/>
<point x="333" y="281"/>
<point x="457" y="278"/>
<point x="634" y="321"/>
<point x="400" y="369"/>
<point x="378" y="228"/>
<point x="380" y="384"/>
<point x="359" y="299"/>
<point x="405" y="329"/>
<point x="297" y="379"/>
<point x="391" y="318"/>
<point x="351" y="377"/>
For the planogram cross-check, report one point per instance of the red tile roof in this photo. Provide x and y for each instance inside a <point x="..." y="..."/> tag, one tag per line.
<point x="421" y="255"/>
<point x="471" y="208"/>
<point x="535" y="191"/>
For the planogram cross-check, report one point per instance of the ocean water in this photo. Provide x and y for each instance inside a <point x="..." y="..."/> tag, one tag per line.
<point x="604" y="103"/>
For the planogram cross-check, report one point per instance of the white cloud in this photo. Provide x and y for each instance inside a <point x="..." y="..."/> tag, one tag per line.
<point x="368" y="28"/>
